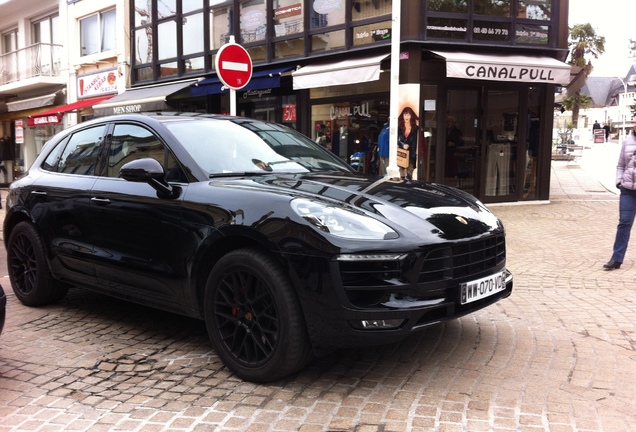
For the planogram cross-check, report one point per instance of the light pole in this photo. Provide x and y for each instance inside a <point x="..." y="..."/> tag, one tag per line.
<point x="623" y="100"/>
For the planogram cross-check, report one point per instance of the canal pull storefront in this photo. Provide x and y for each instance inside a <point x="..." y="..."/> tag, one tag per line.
<point x="485" y="119"/>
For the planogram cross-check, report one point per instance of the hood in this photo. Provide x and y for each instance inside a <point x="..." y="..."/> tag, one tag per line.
<point x="427" y="210"/>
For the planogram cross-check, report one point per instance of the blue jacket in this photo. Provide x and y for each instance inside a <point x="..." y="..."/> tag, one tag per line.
<point x="383" y="141"/>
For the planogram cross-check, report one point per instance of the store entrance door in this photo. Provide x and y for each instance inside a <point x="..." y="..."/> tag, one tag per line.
<point x="461" y="164"/>
<point x="500" y="148"/>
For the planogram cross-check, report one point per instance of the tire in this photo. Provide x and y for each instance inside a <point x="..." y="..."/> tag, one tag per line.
<point x="254" y="319"/>
<point x="28" y="268"/>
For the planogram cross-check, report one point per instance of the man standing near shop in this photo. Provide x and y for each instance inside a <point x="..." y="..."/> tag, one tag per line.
<point x="383" y="148"/>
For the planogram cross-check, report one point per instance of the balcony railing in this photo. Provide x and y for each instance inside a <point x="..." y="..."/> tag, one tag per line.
<point x="37" y="60"/>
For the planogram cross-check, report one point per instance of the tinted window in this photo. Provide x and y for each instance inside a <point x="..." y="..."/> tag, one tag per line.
<point x="81" y="153"/>
<point x="131" y="142"/>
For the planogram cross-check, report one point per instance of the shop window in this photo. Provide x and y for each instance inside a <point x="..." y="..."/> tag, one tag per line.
<point x="532" y="34"/>
<point x="535" y="9"/>
<point x="193" y="36"/>
<point x="253" y="21"/>
<point x="499" y="8"/>
<point x="191" y="5"/>
<point x="98" y="33"/>
<point x="257" y="53"/>
<point x="446" y="28"/>
<point x="143" y="45"/>
<point x="144" y="74"/>
<point x="166" y="44"/>
<point x="195" y="64"/>
<point x="365" y="9"/>
<point x="221" y="26"/>
<point x="326" y="13"/>
<point x="491" y="31"/>
<point x="143" y="13"/>
<point x="496" y="21"/>
<point x="327" y="41"/>
<point x="452" y="6"/>
<point x="168" y="69"/>
<point x="166" y="8"/>
<point x="350" y="130"/>
<point x="372" y="33"/>
<point x="288" y="17"/>
<point x="289" y="48"/>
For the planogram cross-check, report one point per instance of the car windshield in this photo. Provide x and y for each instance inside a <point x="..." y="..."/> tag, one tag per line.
<point x="224" y="147"/>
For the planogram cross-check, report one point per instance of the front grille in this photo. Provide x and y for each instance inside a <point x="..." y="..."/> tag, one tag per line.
<point x="463" y="259"/>
<point x="421" y="275"/>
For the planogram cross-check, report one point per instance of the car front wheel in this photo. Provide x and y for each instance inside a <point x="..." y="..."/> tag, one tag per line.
<point x="29" y="272"/>
<point x="254" y="318"/>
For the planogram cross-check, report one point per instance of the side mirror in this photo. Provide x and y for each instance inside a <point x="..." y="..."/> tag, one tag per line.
<point x="149" y="171"/>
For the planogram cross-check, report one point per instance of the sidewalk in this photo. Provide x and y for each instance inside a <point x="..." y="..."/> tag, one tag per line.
<point x="591" y="177"/>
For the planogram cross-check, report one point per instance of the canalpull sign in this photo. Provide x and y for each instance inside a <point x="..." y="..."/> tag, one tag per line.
<point x="234" y="66"/>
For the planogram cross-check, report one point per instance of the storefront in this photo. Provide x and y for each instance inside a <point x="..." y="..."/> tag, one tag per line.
<point x="482" y="118"/>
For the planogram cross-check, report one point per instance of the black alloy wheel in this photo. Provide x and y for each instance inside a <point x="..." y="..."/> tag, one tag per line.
<point x="29" y="273"/>
<point x="254" y="318"/>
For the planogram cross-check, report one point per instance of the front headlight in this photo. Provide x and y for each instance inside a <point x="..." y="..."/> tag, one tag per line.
<point x="342" y="223"/>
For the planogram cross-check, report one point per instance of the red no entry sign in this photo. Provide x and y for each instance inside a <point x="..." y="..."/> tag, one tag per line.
<point x="234" y="66"/>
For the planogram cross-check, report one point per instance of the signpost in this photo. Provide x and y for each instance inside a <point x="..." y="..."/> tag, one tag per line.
<point x="234" y="68"/>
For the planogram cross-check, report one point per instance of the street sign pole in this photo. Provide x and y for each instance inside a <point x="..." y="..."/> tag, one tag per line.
<point x="232" y="90"/>
<point x="232" y="102"/>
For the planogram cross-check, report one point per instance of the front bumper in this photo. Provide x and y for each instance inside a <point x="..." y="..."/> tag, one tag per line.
<point x="350" y="303"/>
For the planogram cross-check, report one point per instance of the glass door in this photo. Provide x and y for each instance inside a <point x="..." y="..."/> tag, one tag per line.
<point x="500" y="147"/>
<point x="462" y="165"/>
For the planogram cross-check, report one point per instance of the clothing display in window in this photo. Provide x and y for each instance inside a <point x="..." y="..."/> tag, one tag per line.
<point x="498" y="170"/>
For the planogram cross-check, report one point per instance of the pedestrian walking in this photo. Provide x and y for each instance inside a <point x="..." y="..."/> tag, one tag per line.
<point x="626" y="182"/>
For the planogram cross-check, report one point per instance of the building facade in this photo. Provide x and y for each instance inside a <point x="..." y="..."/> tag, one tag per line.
<point x="478" y="77"/>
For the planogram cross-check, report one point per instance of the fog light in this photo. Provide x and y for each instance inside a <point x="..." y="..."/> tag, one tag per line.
<point x="377" y="324"/>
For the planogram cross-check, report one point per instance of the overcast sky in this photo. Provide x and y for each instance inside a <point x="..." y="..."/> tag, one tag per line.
<point x="614" y="19"/>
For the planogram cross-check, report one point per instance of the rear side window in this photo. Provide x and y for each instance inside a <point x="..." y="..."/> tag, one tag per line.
<point x="80" y="153"/>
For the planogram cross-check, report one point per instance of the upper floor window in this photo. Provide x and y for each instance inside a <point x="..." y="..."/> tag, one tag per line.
<point x="98" y="32"/>
<point x="9" y="41"/>
<point x="47" y="30"/>
<point x="521" y="22"/>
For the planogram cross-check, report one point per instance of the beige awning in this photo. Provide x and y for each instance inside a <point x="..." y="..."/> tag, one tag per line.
<point x="339" y="73"/>
<point x="35" y="102"/>
<point x="501" y="67"/>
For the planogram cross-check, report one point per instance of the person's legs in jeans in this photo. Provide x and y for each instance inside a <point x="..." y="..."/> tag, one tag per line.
<point x="627" y="211"/>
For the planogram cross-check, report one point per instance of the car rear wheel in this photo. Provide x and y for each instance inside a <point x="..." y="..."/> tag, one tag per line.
<point x="28" y="268"/>
<point x="254" y="318"/>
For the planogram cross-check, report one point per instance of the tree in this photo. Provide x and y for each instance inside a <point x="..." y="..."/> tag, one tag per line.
<point x="583" y="44"/>
<point x="585" y="101"/>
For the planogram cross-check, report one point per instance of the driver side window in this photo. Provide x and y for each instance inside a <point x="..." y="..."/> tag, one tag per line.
<point x="131" y="142"/>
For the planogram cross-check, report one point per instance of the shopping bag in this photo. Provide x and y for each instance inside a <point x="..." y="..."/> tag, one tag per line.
<point x="402" y="158"/>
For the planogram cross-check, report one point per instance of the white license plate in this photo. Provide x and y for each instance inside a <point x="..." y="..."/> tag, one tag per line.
<point x="482" y="288"/>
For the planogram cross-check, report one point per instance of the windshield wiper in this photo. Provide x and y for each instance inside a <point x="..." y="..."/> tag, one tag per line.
<point x="238" y="174"/>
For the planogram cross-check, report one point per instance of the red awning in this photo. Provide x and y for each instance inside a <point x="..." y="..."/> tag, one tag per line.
<point x="54" y="115"/>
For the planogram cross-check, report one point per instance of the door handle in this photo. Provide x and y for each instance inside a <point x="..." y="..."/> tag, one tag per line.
<point x="100" y="201"/>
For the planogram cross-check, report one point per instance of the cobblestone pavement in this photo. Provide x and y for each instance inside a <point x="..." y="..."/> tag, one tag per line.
<point x="558" y="355"/>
